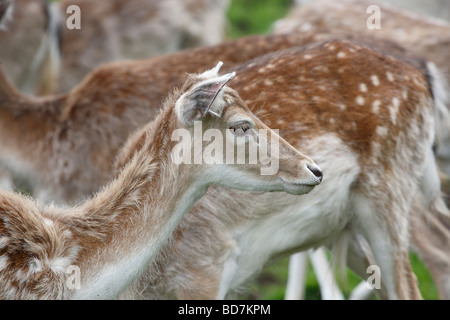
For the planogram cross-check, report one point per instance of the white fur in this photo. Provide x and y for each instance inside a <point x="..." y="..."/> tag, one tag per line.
<point x="303" y="222"/>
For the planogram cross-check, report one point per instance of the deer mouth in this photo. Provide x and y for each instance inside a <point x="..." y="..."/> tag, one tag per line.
<point x="297" y="187"/>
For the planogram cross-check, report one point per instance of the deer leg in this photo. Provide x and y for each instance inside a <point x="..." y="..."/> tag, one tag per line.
<point x="386" y="231"/>
<point x="430" y="239"/>
<point x="298" y="267"/>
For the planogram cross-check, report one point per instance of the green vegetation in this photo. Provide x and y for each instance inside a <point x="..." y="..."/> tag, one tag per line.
<point x="271" y="283"/>
<point x="254" y="16"/>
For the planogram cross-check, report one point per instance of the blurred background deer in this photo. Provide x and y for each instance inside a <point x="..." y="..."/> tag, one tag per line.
<point x="58" y="57"/>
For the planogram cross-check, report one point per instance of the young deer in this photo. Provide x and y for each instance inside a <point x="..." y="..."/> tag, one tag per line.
<point x="425" y="37"/>
<point x="113" y="237"/>
<point x="368" y="120"/>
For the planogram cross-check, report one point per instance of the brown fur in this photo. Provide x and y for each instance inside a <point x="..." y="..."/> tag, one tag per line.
<point x="419" y="35"/>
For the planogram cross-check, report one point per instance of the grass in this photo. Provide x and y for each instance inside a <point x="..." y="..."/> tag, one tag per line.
<point x="271" y="283"/>
<point x="248" y="17"/>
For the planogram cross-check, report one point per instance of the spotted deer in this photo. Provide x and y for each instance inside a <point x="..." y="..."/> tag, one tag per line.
<point x="112" y="237"/>
<point x="425" y="37"/>
<point x="367" y="119"/>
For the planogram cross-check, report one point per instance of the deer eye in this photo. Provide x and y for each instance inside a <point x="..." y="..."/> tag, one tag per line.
<point x="240" y="129"/>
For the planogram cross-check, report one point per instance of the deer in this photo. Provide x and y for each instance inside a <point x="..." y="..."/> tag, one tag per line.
<point x="72" y="115"/>
<point x="422" y="35"/>
<point x="113" y="236"/>
<point x="57" y="57"/>
<point x="135" y="29"/>
<point x="337" y="97"/>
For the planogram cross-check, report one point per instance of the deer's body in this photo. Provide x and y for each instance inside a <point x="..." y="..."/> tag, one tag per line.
<point x="369" y="120"/>
<point x="422" y="35"/>
<point x="112" y="237"/>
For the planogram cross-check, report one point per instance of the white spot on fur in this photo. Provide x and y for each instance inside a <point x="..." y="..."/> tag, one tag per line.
<point x="362" y="87"/>
<point x="341" y="55"/>
<point x="35" y="266"/>
<point x="268" y="82"/>
<point x="393" y="110"/>
<point x="48" y="222"/>
<point x="376" y="106"/>
<point x="390" y="76"/>
<point x="332" y="120"/>
<point x="382" y="131"/>
<point x="307" y="56"/>
<point x="360" y="100"/>
<point x="405" y="95"/>
<point x="342" y="106"/>
<point x="375" y="80"/>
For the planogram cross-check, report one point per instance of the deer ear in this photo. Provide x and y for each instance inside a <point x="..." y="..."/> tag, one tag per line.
<point x="204" y="97"/>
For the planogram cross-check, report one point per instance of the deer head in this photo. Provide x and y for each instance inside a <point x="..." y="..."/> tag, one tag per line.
<point x="219" y="132"/>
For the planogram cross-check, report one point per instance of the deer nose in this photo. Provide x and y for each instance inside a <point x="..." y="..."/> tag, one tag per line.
<point x="315" y="171"/>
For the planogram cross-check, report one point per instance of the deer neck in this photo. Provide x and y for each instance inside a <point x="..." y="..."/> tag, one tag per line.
<point x="121" y="229"/>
